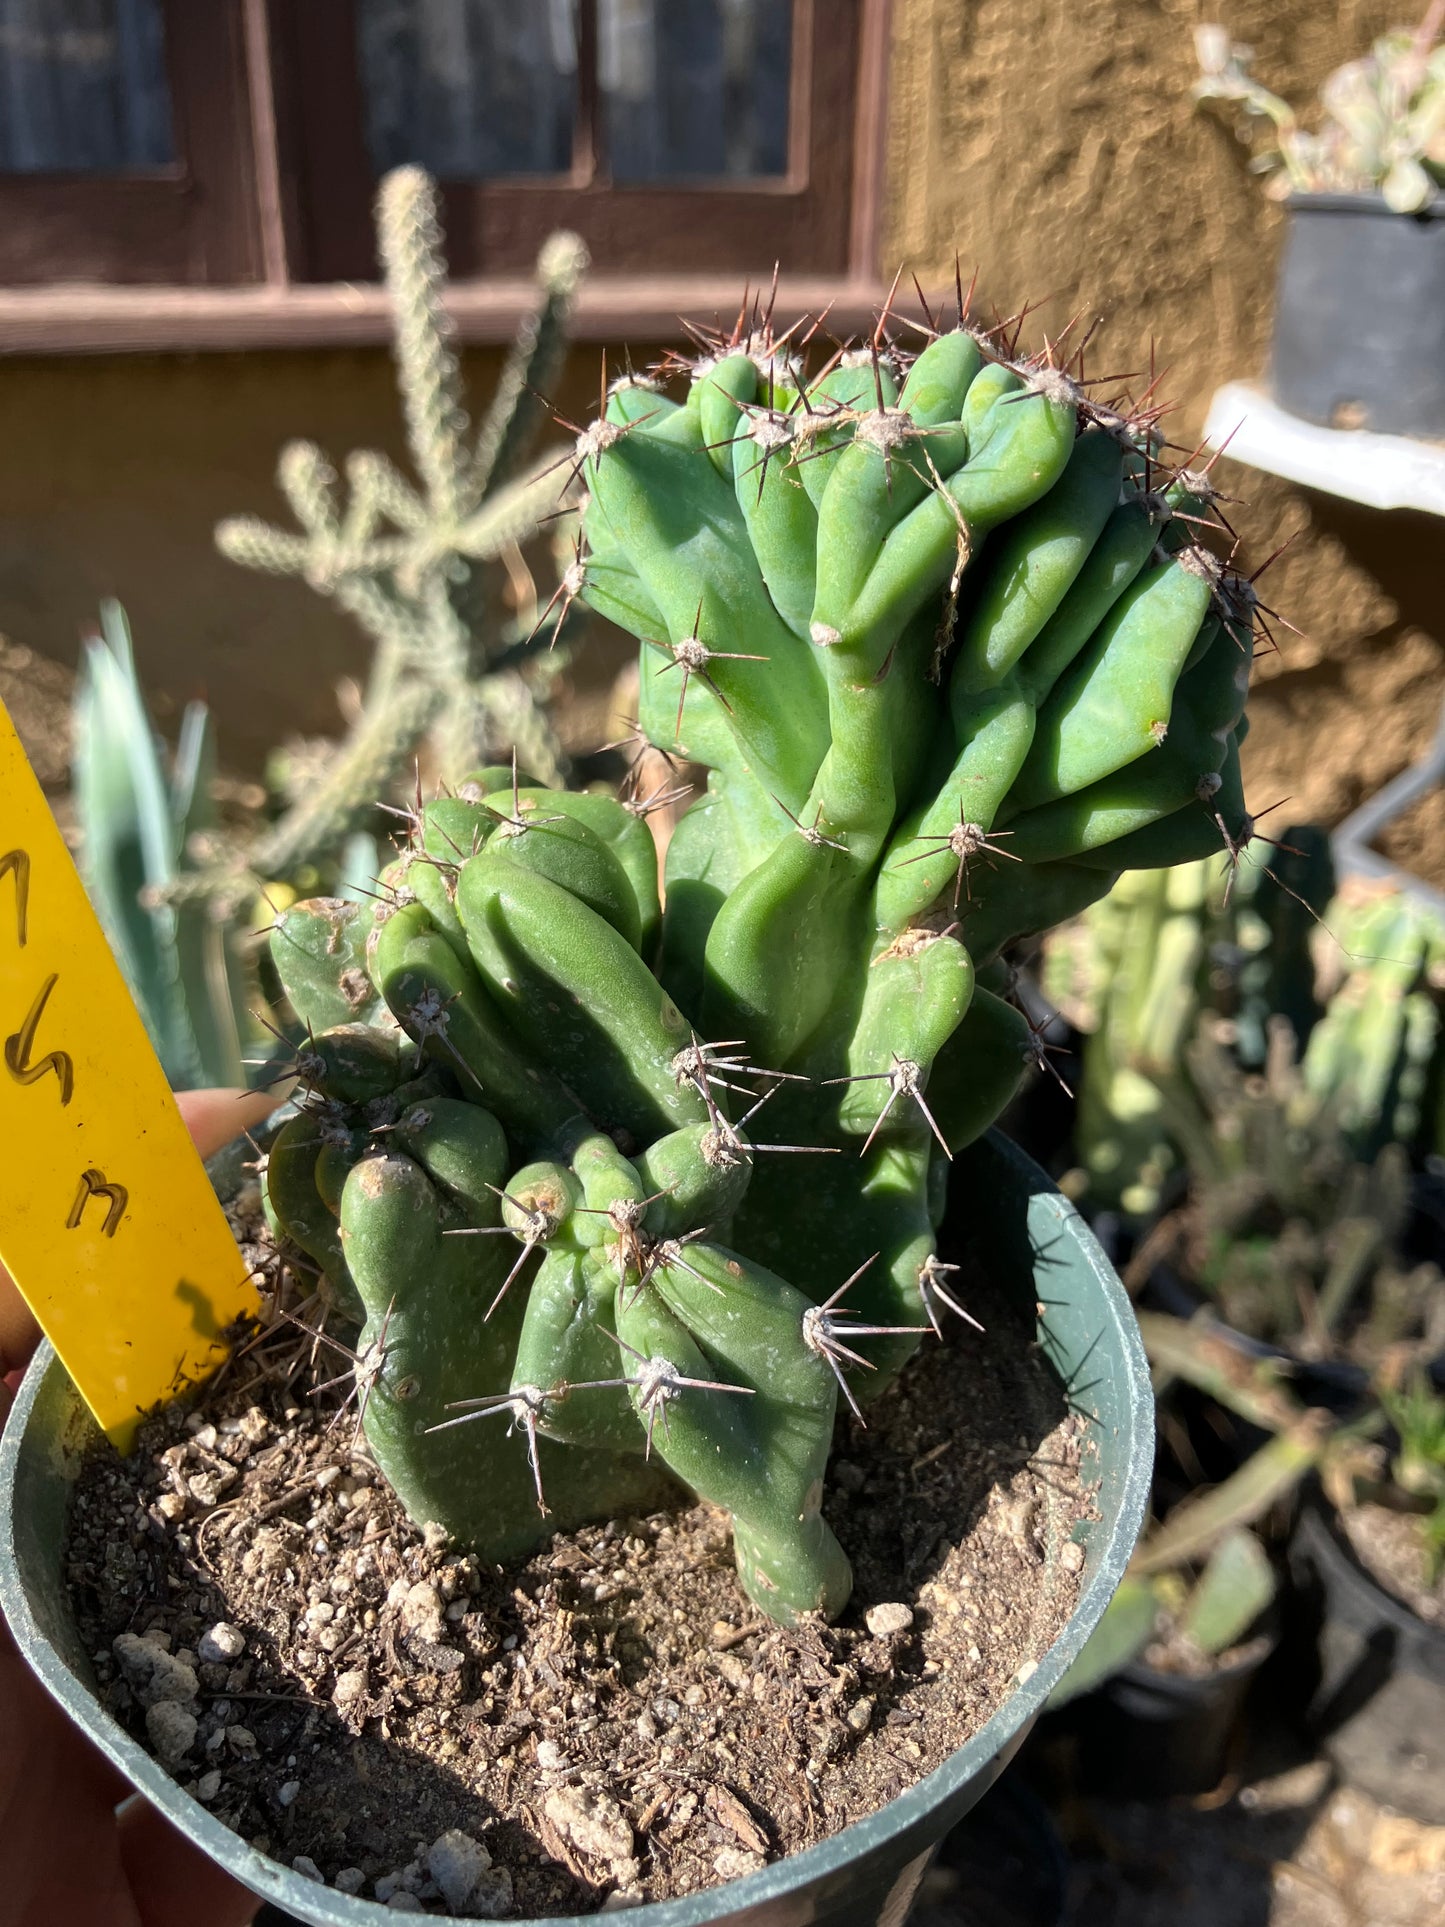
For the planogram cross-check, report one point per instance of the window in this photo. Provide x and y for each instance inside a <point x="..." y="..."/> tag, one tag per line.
<point x="682" y="136"/>
<point x="235" y="144"/>
<point x="466" y="87"/>
<point x="125" y="149"/>
<point x="695" y="91"/>
<point x="684" y="89"/>
<point x="84" y="90"/>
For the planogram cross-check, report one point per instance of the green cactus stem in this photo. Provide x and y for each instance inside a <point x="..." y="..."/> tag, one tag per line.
<point x="938" y="633"/>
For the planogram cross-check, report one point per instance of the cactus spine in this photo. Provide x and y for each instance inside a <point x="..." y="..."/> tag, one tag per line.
<point x="943" y="637"/>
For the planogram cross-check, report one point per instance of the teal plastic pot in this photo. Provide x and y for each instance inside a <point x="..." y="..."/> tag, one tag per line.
<point x="1020" y="1227"/>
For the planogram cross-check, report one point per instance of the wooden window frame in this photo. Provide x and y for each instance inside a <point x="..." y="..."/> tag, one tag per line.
<point x="226" y="252"/>
<point x="192" y="223"/>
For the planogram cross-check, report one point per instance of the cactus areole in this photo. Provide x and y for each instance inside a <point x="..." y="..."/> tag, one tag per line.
<point x="624" y="1185"/>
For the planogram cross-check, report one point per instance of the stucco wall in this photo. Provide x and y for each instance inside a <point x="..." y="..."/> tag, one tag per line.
<point x="113" y="473"/>
<point x="1053" y="144"/>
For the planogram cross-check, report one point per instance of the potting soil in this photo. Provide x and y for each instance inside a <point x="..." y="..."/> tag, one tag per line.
<point x="611" y="1720"/>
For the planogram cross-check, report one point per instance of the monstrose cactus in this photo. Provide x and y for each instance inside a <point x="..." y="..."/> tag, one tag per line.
<point x="615" y="1186"/>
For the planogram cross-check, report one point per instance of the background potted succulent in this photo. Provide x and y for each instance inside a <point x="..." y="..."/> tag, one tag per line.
<point x="529" y="1164"/>
<point x="1363" y="1493"/>
<point x="1359" y="328"/>
<point x="1150" y="1706"/>
<point x="1278" y="1236"/>
<point x="1369" y="1549"/>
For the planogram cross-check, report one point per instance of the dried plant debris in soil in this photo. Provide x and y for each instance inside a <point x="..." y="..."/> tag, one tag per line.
<point x="606" y="1722"/>
<point x="1391" y="1547"/>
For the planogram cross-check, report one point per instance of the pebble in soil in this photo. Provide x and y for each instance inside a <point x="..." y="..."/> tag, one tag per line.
<point x="609" y="1722"/>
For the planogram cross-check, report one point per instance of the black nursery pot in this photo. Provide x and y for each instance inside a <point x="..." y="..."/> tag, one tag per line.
<point x="1379" y="1706"/>
<point x="1004" y="1865"/>
<point x="1359" y="326"/>
<point x="1150" y="1735"/>
<point x="868" y="1874"/>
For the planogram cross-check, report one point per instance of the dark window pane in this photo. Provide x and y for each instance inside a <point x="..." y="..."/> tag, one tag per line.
<point x="695" y="88"/>
<point x="82" y="87"/>
<point x="469" y="87"/>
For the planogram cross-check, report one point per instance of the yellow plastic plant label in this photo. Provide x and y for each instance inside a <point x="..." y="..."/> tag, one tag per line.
<point x="108" y="1222"/>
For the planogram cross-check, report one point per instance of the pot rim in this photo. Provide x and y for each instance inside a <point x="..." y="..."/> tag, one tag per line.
<point x="1301" y="202"/>
<point x="744" y="1898"/>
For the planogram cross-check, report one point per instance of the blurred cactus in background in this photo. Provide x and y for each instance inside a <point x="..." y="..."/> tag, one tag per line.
<point x="1383" y="122"/>
<point x="453" y="672"/>
<point x="1137" y="970"/>
<point x="1417" y="1412"/>
<point x="1130" y="973"/>
<point x="1262" y="1062"/>
<point x="1373" y="1064"/>
<point x="1181" y="1623"/>
<point x="1292" y="1238"/>
<point x="420" y="564"/>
